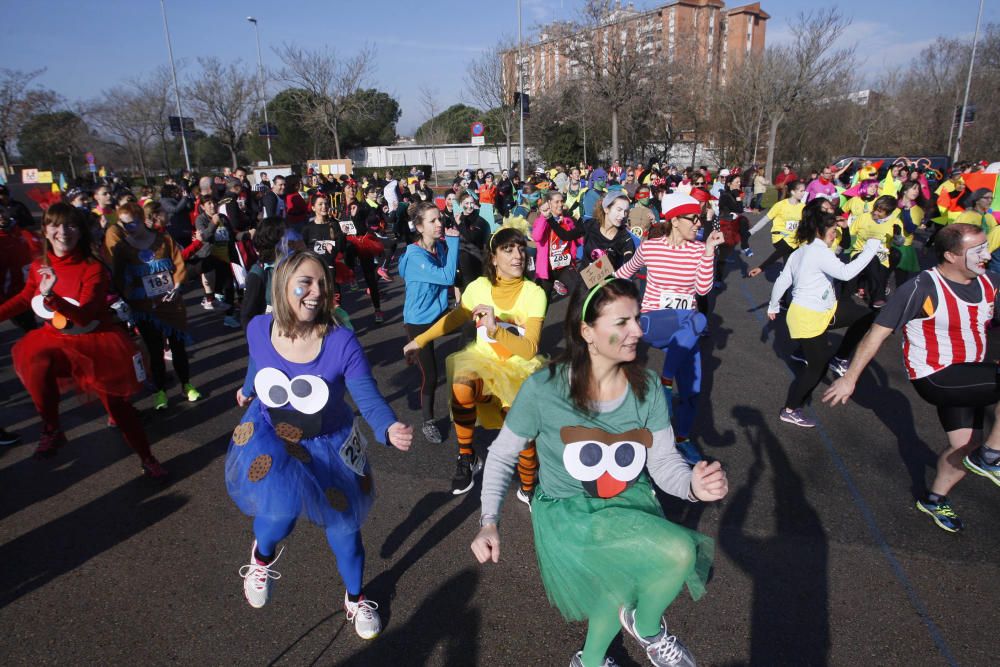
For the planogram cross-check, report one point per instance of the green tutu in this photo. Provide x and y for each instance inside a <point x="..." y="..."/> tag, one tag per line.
<point x="908" y="260"/>
<point x="594" y="550"/>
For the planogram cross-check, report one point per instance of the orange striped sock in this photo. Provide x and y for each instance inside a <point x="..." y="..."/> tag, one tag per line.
<point x="527" y="467"/>
<point x="463" y="410"/>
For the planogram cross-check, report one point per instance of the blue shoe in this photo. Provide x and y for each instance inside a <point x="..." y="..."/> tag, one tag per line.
<point x="688" y="452"/>
<point x="796" y="417"/>
<point x="976" y="464"/>
<point x="748" y="252"/>
<point x="943" y="515"/>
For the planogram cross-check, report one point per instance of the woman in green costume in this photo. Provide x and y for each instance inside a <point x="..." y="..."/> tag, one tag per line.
<point x="602" y="429"/>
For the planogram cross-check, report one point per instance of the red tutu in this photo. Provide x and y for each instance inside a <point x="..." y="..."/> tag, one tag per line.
<point x="100" y="362"/>
<point x="367" y="245"/>
<point x="730" y="231"/>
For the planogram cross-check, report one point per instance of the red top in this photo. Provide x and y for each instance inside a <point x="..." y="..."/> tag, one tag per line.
<point x="17" y="248"/>
<point x="487" y="194"/>
<point x="84" y="280"/>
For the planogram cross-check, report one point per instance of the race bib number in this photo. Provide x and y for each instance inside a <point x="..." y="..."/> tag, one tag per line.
<point x="140" y="370"/>
<point x="675" y="301"/>
<point x="156" y="284"/>
<point x="319" y="247"/>
<point x="347" y="226"/>
<point x="560" y="261"/>
<point x="352" y="452"/>
<point x="791" y="226"/>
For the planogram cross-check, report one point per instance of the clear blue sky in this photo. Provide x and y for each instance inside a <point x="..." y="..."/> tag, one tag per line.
<point x="90" y="46"/>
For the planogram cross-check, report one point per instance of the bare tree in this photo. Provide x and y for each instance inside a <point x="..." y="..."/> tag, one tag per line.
<point x="328" y="84"/>
<point x="156" y="90"/>
<point x="18" y="102"/>
<point x="429" y="102"/>
<point x="487" y="89"/>
<point x="804" y="69"/>
<point x="122" y="113"/>
<point x="223" y="98"/>
<point x="609" y="52"/>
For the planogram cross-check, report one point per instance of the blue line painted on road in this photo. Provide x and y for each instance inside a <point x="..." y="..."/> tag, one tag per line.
<point x="869" y="518"/>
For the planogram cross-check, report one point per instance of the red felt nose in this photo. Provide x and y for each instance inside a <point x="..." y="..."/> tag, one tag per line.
<point x="608" y="486"/>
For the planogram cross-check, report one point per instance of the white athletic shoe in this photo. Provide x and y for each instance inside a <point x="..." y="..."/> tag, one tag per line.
<point x="257" y="579"/>
<point x="364" y="615"/>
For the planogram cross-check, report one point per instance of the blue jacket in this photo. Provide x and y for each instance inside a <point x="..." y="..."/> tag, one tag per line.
<point x="428" y="278"/>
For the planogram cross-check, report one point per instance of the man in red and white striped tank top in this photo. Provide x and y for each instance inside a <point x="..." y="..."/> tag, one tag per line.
<point x="678" y="269"/>
<point x="943" y="313"/>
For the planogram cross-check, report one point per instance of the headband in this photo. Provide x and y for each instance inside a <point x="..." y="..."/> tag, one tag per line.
<point x="590" y="295"/>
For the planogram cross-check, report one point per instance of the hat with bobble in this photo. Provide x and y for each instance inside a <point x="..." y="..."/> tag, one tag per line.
<point x="676" y="204"/>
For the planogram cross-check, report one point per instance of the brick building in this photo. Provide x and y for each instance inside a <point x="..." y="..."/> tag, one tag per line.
<point x="722" y="39"/>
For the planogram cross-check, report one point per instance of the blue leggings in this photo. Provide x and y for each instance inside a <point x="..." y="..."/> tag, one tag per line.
<point x="677" y="333"/>
<point x="346" y="547"/>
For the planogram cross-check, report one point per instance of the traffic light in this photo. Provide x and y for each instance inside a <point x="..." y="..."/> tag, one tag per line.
<point x="524" y="99"/>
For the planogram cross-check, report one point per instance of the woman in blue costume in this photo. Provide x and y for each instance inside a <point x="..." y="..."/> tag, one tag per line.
<point x="298" y="449"/>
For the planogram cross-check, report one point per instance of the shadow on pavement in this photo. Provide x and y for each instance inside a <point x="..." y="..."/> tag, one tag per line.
<point x="790" y="615"/>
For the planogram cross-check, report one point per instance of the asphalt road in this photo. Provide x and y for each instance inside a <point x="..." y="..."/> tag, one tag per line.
<point x="821" y="557"/>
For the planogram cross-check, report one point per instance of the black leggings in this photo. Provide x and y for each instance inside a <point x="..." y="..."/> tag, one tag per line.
<point x="428" y="370"/>
<point x="469" y="268"/>
<point x="566" y="275"/>
<point x="154" y="338"/>
<point x="818" y="350"/>
<point x="781" y="251"/>
<point x="368" y="270"/>
<point x="961" y="392"/>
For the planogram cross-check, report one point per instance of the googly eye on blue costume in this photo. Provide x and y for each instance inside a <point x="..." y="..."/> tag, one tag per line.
<point x="307" y="394"/>
<point x="299" y="291"/>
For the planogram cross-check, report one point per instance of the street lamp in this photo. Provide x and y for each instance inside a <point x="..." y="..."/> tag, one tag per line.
<point x="177" y="93"/>
<point x="263" y="98"/>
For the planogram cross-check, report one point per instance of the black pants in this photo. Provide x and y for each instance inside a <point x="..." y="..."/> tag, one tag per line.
<point x="368" y="270"/>
<point x="819" y="351"/>
<point x="566" y="275"/>
<point x="961" y="392"/>
<point x="469" y="268"/>
<point x="389" y="244"/>
<point x="875" y="278"/>
<point x="154" y="338"/>
<point x="428" y="370"/>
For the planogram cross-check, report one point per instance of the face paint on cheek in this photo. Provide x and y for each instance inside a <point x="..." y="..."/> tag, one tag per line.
<point x="976" y="257"/>
<point x="299" y="291"/>
<point x="614" y="340"/>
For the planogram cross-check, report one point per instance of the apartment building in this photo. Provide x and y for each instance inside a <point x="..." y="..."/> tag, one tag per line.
<point x="722" y="39"/>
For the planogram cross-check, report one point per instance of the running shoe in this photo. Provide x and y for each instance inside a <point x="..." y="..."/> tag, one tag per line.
<point x="207" y="303"/>
<point x="379" y="317"/>
<point x="977" y="464"/>
<point x="160" y="400"/>
<point x="257" y="578"/>
<point x="384" y="274"/>
<point x="799" y="356"/>
<point x="689" y="452"/>
<point x="154" y="469"/>
<point x="879" y="303"/>
<point x="465" y="470"/>
<point x="559" y="288"/>
<point x="49" y="443"/>
<point x="231" y="322"/>
<point x="7" y="438"/>
<point x="796" y="417"/>
<point x="526" y="496"/>
<point x="663" y="650"/>
<point x="431" y="432"/>
<point x="839" y="366"/>
<point x="748" y="252"/>
<point x="168" y="355"/>
<point x="943" y="515"/>
<point x="364" y="615"/>
<point x="577" y="661"/>
<point x="111" y="422"/>
<point x="191" y="393"/>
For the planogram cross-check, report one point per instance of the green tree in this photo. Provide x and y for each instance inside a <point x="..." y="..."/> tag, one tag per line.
<point x="451" y="125"/>
<point x="295" y="142"/>
<point x="375" y="128"/>
<point x="53" y="140"/>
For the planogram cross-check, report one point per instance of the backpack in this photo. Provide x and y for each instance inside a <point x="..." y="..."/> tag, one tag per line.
<point x="264" y="272"/>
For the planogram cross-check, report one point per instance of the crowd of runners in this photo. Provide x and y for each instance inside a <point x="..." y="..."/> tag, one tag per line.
<point x="585" y="429"/>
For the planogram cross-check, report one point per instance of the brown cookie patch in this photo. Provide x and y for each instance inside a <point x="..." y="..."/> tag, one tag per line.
<point x="259" y="467"/>
<point x="366" y="484"/>
<point x="297" y="451"/>
<point x="337" y="499"/>
<point x="243" y="433"/>
<point x="287" y="432"/>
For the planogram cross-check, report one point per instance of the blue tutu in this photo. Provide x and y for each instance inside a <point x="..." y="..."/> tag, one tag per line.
<point x="274" y="472"/>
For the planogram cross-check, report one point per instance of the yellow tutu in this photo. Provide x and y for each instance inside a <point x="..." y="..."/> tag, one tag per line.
<point x="501" y="379"/>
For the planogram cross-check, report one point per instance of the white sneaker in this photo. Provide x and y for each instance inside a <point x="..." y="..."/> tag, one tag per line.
<point x="363" y="614"/>
<point x="257" y="579"/>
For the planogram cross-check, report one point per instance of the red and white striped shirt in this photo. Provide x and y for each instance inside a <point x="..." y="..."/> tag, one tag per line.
<point x="954" y="334"/>
<point x="674" y="274"/>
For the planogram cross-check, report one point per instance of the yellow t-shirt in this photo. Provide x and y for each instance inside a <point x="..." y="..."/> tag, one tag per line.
<point x="530" y="303"/>
<point x="993" y="239"/>
<point x="785" y="217"/>
<point x="984" y="221"/>
<point x="866" y="227"/>
<point x="856" y="206"/>
<point x="916" y="217"/>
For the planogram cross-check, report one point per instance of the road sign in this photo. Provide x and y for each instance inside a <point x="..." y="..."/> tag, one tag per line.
<point x="268" y="130"/>
<point x="177" y="121"/>
<point x="479" y="141"/>
<point x="90" y="158"/>
<point x="478" y="129"/>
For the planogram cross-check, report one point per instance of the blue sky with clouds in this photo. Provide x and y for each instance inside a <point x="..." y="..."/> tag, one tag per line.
<point x="89" y="46"/>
